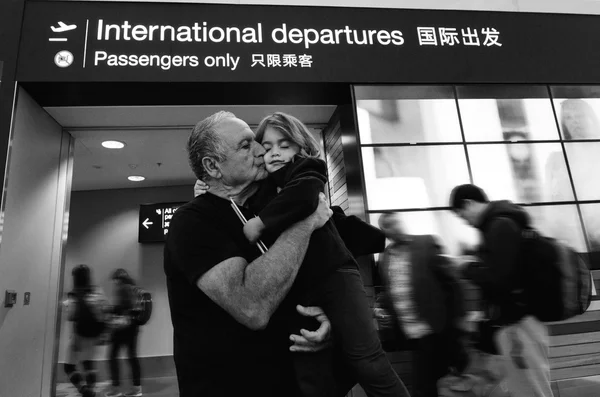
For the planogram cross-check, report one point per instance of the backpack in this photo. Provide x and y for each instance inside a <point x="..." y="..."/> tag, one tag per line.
<point x="89" y="316"/>
<point x="558" y="283"/>
<point x="142" y="306"/>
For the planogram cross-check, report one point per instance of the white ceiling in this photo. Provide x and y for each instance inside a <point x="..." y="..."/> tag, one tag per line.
<point x="155" y="140"/>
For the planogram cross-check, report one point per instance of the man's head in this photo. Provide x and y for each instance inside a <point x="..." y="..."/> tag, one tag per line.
<point x="222" y="150"/>
<point x="392" y="226"/>
<point x="468" y="202"/>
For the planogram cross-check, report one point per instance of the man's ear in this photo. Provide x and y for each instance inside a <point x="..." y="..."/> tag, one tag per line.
<point x="212" y="167"/>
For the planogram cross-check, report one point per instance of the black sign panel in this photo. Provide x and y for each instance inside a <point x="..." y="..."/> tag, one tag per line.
<point x="111" y="41"/>
<point x="155" y="220"/>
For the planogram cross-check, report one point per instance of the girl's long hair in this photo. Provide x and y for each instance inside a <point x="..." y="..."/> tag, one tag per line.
<point x="294" y="130"/>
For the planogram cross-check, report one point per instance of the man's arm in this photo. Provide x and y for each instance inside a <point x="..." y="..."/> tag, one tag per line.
<point x="500" y="257"/>
<point x="447" y="275"/>
<point x="250" y="292"/>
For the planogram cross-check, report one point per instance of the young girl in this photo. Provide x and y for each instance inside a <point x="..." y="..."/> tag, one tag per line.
<point x="329" y="276"/>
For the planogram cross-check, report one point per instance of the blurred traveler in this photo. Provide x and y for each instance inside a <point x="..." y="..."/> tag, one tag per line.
<point x="428" y="300"/>
<point x="509" y="329"/>
<point x="86" y="308"/>
<point x="125" y="333"/>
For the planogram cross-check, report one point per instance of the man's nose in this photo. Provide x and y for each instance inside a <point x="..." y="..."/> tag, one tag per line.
<point x="259" y="150"/>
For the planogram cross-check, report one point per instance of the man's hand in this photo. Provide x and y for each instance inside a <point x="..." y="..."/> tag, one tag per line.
<point x="321" y="215"/>
<point x="253" y="229"/>
<point x="200" y="188"/>
<point x="312" y="341"/>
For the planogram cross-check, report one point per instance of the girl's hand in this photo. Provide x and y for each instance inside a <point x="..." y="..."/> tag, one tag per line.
<point x="200" y="188"/>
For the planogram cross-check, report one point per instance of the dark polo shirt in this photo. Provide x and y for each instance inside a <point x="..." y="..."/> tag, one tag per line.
<point x="214" y="354"/>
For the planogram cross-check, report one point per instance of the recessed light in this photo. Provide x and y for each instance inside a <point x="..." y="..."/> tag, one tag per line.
<point x="113" y="144"/>
<point x="136" y="178"/>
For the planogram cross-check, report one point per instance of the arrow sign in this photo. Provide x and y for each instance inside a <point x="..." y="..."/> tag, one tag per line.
<point x="154" y="221"/>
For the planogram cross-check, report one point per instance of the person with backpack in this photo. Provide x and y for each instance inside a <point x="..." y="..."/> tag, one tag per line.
<point x="125" y="333"/>
<point x="86" y="308"/>
<point x="501" y="272"/>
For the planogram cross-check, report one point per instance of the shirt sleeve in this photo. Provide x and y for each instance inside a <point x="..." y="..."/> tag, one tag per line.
<point x="197" y="242"/>
<point x="448" y="276"/>
<point x="299" y="197"/>
<point x="499" y="257"/>
<point x="360" y="237"/>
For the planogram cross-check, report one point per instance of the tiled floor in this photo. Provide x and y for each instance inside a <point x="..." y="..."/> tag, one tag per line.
<point x="167" y="387"/>
<point x="580" y="387"/>
<point x="151" y="387"/>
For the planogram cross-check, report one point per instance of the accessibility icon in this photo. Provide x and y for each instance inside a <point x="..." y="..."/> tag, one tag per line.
<point x="63" y="59"/>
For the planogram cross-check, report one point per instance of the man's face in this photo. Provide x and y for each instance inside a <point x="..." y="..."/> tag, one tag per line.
<point x="243" y="162"/>
<point x="469" y="212"/>
<point x="395" y="231"/>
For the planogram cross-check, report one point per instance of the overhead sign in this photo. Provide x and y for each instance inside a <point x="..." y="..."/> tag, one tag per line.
<point x="155" y="220"/>
<point x="114" y="41"/>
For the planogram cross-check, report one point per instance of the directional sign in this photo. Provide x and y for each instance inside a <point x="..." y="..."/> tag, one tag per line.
<point x="113" y="41"/>
<point x="155" y="220"/>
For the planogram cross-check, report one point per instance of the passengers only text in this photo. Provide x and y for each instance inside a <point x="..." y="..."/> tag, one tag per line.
<point x="165" y="62"/>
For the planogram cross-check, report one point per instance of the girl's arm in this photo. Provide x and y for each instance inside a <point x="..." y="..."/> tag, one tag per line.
<point x="304" y="180"/>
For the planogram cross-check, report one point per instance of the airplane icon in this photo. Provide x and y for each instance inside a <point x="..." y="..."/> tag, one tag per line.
<point x="62" y="27"/>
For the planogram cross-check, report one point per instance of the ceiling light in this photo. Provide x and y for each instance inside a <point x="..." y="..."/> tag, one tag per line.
<point x="136" y="178"/>
<point x="113" y="144"/>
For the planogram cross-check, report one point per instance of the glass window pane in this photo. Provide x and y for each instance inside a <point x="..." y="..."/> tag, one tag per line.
<point x="560" y="222"/>
<point x="578" y="111"/>
<point x="506" y="113"/>
<point x="455" y="234"/>
<point x="412" y="177"/>
<point x="521" y="172"/>
<point x="393" y="114"/>
<point x="591" y="220"/>
<point x="578" y="118"/>
<point x="584" y="161"/>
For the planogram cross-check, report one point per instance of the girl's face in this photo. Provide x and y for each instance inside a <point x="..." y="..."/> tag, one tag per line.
<point x="279" y="150"/>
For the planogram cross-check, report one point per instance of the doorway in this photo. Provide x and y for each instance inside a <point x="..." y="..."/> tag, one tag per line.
<point x="92" y="208"/>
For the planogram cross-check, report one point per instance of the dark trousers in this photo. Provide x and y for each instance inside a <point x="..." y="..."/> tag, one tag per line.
<point x="433" y="357"/>
<point x="124" y="337"/>
<point x="342" y="296"/>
